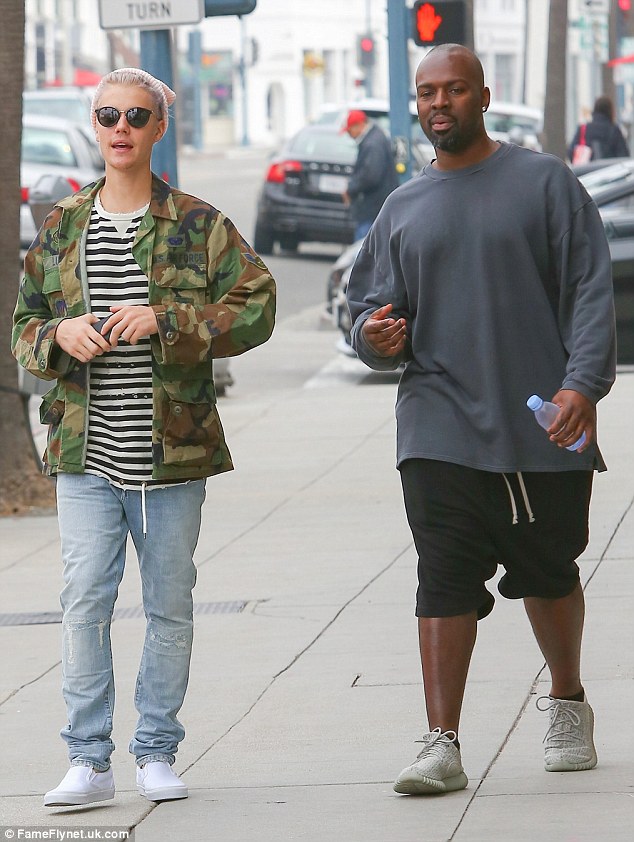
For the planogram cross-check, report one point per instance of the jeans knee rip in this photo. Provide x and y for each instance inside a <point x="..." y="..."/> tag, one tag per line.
<point x="169" y="640"/>
<point x="73" y="627"/>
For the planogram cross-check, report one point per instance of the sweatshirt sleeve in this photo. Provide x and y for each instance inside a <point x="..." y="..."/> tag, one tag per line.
<point x="376" y="280"/>
<point x="586" y="304"/>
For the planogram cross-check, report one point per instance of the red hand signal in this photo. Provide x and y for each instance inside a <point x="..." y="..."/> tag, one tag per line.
<point x="427" y="22"/>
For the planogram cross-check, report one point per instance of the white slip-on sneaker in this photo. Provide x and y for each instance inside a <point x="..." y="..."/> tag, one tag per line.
<point x="569" y="741"/>
<point x="81" y="785"/>
<point x="437" y="769"/>
<point x="156" y="781"/>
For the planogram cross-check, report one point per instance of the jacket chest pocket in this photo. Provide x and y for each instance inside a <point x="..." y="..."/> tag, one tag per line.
<point x="187" y="285"/>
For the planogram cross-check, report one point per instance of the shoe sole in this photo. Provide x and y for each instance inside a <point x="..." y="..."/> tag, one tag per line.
<point x="166" y="794"/>
<point x="564" y="766"/>
<point x="74" y="800"/>
<point x="431" y="786"/>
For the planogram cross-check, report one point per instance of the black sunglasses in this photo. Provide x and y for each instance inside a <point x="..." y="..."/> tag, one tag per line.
<point x="108" y="116"/>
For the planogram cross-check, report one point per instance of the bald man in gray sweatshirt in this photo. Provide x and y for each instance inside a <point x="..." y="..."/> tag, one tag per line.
<point x="489" y="276"/>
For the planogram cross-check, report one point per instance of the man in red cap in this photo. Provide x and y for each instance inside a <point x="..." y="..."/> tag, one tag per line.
<point x="374" y="175"/>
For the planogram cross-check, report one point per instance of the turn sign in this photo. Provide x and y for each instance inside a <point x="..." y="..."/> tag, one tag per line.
<point x="149" y="14"/>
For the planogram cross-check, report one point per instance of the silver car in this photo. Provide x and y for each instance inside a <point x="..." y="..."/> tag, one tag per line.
<point x="52" y="146"/>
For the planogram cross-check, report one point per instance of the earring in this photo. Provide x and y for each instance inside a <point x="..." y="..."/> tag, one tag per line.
<point x="484" y="108"/>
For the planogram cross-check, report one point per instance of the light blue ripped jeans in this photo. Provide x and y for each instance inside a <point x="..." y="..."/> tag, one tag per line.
<point x="94" y="521"/>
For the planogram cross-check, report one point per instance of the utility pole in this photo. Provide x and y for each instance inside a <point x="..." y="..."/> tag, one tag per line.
<point x="607" y="73"/>
<point x="398" y="24"/>
<point x="555" y="109"/>
<point x="469" y="40"/>
<point x="243" y="81"/>
<point x="369" y="72"/>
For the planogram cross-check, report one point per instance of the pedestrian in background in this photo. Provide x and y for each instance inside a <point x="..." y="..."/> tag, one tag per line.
<point x="488" y="275"/>
<point x="601" y="134"/>
<point x="133" y="425"/>
<point x="374" y="175"/>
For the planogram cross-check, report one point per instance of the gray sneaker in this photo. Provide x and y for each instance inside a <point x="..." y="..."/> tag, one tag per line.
<point x="568" y="744"/>
<point x="437" y="769"/>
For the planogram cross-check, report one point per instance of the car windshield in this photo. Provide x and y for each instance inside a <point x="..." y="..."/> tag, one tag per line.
<point x="47" y="146"/>
<point x="324" y="146"/>
<point x="66" y="108"/>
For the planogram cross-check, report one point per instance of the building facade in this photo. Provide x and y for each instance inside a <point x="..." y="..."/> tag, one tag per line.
<point x="258" y="79"/>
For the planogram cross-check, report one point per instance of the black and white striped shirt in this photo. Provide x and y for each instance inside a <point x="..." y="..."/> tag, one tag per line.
<point x="119" y="445"/>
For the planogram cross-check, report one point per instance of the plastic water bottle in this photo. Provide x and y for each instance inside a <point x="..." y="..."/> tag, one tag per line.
<point x="545" y="414"/>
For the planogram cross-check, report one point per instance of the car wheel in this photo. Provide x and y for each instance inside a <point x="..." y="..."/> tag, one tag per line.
<point x="289" y="242"/>
<point x="263" y="240"/>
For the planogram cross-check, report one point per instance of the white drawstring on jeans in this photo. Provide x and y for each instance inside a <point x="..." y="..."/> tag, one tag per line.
<point x="143" y="509"/>
<point x="529" y="512"/>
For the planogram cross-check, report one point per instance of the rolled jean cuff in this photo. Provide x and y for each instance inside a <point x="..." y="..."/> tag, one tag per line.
<point x="155" y="758"/>
<point x="98" y="767"/>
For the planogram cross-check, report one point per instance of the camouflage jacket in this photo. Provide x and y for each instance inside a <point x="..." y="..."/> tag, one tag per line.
<point x="212" y="295"/>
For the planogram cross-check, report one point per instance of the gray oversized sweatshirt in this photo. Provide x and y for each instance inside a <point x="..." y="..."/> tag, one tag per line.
<point x="502" y="271"/>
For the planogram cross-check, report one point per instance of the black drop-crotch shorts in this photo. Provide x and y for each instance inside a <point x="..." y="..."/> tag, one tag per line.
<point x="465" y="522"/>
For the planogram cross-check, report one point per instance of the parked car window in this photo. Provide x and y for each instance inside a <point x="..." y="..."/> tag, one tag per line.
<point x="325" y="146"/>
<point x="94" y="151"/>
<point x="46" y="146"/>
<point x="496" y="122"/>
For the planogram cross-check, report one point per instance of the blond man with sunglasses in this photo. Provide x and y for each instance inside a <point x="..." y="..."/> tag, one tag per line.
<point x="130" y="290"/>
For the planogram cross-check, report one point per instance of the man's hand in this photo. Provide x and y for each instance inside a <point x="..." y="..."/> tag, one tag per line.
<point x="578" y="415"/>
<point x="131" y="322"/>
<point x="386" y="336"/>
<point x="78" y="338"/>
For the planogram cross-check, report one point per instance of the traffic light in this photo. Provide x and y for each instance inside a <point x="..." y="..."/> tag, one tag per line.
<point x="365" y="50"/>
<point x="438" y="23"/>
<point x="214" y="8"/>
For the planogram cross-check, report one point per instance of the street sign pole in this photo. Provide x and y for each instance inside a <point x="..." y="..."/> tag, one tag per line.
<point x="398" y="18"/>
<point x="156" y="58"/>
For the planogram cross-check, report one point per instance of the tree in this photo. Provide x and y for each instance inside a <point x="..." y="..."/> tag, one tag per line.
<point x="554" y="138"/>
<point x="22" y="487"/>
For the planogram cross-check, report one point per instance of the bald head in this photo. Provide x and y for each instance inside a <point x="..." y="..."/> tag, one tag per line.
<point x="472" y="62"/>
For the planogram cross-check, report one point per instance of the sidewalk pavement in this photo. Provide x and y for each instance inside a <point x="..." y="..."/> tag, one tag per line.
<point x="305" y="696"/>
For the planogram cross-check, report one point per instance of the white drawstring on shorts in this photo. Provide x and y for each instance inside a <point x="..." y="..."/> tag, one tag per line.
<point x="527" y="505"/>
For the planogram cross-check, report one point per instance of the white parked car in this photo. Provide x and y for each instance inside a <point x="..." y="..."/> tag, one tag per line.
<point x="67" y="103"/>
<point x="52" y="146"/>
<point x="519" y="124"/>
